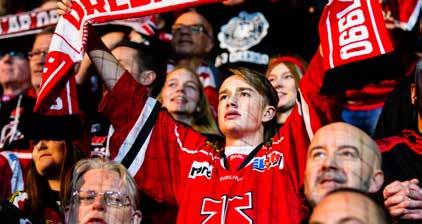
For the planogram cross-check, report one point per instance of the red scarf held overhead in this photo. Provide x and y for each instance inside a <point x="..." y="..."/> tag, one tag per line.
<point x="67" y="45"/>
<point x="352" y="30"/>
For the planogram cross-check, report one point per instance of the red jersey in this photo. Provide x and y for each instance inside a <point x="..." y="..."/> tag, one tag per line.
<point x="176" y="165"/>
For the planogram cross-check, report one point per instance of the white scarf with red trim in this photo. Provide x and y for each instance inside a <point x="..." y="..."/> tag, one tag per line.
<point x="352" y="30"/>
<point x="67" y="45"/>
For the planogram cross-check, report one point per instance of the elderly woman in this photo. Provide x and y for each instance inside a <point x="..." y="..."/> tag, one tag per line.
<point x="103" y="192"/>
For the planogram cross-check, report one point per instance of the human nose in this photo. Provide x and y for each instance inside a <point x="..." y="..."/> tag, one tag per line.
<point x="330" y="162"/>
<point x="40" y="145"/>
<point x="232" y="101"/>
<point x="99" y="203"/>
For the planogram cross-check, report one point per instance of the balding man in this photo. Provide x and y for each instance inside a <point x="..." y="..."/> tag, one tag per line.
<point x="347" y="206"/>
<point x="193" y="40"/>
<point x="341" y="155"/>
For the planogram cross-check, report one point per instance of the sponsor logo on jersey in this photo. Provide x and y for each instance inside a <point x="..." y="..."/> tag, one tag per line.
<point x="274" y="159"/>
<point x="231" y="177"/>
<point x="200" y="169"/>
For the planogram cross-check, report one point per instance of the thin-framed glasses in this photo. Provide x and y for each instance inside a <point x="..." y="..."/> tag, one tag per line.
<point x="37" y="53"/>
<point x="194" y="29"/>
<point x="111" y="198"/>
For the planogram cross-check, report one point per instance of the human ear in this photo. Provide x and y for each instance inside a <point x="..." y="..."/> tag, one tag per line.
<point x="376" y="181"/>
<point x="269" y="113"/>
<point x="147" y="77"/>
<point x="136" y="217"/>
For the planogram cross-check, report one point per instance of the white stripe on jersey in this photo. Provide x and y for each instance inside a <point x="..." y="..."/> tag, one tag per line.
<point x="134" y="132"/>
<point x="304" y="111"/>
<point x="16" y="182"/>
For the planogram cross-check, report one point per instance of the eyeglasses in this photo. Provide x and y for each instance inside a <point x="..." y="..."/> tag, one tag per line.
<point x="15" y="54"/>
<point x="111" y="198"/>
<point x="37" y="53"/>
<point x="194" y="29"/>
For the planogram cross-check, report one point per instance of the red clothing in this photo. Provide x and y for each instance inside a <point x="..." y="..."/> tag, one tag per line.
<point x="370" y="97"/>
<point x="177" y="165"/>
<point x="15" y="150"/>
<point x="50" y="214"/>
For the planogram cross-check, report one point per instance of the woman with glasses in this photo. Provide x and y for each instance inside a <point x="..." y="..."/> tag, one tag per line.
<point x="55" y="151"/>
<point x="103" y="192"/>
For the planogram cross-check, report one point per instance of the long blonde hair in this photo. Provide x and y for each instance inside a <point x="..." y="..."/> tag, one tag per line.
<point x="203" y="121"/>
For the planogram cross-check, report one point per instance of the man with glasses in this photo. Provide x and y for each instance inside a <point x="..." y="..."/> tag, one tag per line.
<point x="102" y="192"/>
<point x="37" y="55"/>
<point x="193" y="40"/>
<point x="16" y="104"/>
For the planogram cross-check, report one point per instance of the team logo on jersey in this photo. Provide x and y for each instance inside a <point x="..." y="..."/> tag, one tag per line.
<point x="243" y="32"/>
<point x="200" y="169"/>
<point x="274" y="159"/>
<point x="228" y="209"/>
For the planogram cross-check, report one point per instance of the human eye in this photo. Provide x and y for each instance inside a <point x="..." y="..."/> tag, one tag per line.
<point x="191" y="86"/>
<point x="86" y="196"/>
<point x="171" y="84"/>
<point x="222" y="97"/>
<point x="288" y="76"/>
<point x="245" y="93"/>
<point x="348" y="154"/>
<point x="271" y="79"/>
<point x="116" y="199"/>
<point x="317" y="154"/>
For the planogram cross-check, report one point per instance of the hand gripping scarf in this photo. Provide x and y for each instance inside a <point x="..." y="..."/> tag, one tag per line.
<point x="58" y="93"/>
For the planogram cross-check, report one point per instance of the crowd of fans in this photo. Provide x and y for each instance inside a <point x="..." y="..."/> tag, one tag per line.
<point x="218" y="116"/>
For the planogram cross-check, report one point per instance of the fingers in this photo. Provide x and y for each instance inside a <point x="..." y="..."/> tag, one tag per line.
<point x="413" y="215"/>
<point x="394" y="188"/>
<point x="63" y="7"/>
<point x="395" y="200"/>
<point x="414" y="181"/>
<point x="415" y="192"/>
<point x="233" y="2"/>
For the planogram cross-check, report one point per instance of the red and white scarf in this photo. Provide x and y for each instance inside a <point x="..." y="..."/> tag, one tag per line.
<point x="352" y="30"/>
<point x="67" y="45"/>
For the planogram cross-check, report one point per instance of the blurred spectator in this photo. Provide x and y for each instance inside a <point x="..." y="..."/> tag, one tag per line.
<point x="16" y="105"/>
<point x="284" y="73"/>
<point x="193" y="40"/>
<point x="348" y="206"/>
<point x="404" y="201"/>
<point x="402" y="155"/>
<point x="54" y="154"/>
<point x="341" y="155"/>
<point x="37" y="55"/>
<point x="183" y="97"/>
<point x="103" y="191"/>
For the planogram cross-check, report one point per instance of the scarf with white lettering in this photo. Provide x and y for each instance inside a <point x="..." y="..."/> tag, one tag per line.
<point x="67" y="45"/>
<point x="355" y="45"/>
<point x="352" y="30"/>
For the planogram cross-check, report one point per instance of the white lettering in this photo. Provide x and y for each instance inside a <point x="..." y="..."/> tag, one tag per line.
<point x="356" y="49"/>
